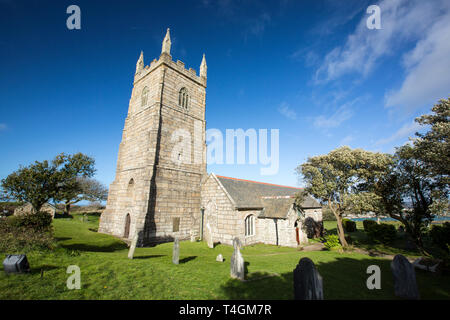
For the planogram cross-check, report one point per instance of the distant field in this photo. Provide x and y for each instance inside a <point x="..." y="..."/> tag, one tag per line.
<point x="107" y="273"/>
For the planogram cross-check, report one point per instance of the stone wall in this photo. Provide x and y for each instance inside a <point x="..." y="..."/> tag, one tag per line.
<point x="219" y="212"/>
<point x="283" y="228"/>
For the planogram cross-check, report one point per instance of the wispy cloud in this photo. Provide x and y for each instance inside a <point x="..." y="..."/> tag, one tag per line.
<point x="406" y="131"/>
<point x="343" y="113"/>
<point x="257" y="25"/>
<point x="401" y="21"/>
<point x="3" y="126"/>
<point x="346" y="140"/>
<point x="427" y="70"/>
<point x="286" y="111"/>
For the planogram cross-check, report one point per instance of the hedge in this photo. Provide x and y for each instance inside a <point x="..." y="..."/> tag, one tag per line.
<point x="382" y="233"/>
<point x="349" y="225"/>
<point x="368" y="223"/>
<point x="440" y="235"/>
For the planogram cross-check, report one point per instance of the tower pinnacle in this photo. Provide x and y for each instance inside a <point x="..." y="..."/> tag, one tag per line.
<point x="203" y="67"/>
<point x="140" y="63"/>
<point x="166" y="43"/>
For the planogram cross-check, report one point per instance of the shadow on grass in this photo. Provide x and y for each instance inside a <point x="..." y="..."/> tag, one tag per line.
<point x="62" y="238"/>
<point x="149" y="257"/>
<point x="43" y="268"/>
<point x="95" y="248"/>
<point x="187" y="259"/>
<point x="343" y="278"/>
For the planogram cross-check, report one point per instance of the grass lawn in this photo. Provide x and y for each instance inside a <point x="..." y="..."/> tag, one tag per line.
<point x="107" y="273"/>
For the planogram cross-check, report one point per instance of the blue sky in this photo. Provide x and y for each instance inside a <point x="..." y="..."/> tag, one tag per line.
<point x="311" y="69"/>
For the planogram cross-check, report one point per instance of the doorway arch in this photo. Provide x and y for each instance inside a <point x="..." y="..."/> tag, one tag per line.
<point x="126" y="232"/>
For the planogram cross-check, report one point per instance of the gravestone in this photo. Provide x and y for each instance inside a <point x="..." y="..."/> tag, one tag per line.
<point x="307" y="281"/>
<point x="176" y="251"/>
<point x="237" y="243"/>
<point x="133" y="246"/>
<point x="237" y="270"/>
<point x="405" y="285"/>
<point x="219" y="258"/>
<point x="209" y="238"/>
<point x="192" y="236"/>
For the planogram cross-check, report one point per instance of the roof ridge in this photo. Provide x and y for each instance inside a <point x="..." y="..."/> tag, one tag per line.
<point x="266" y="183"/>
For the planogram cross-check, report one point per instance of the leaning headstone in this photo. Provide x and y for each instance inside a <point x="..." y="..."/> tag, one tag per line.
<point x="209" y="238"/>
<point x="237" y="243"/>
<point x="307" y="281"/>
<point x="405" y="285"/>
<point x="176" y="251"/>
<point x="237" y="270"/>
<point x="133" y="246"/>
<point x="219" y="258"/>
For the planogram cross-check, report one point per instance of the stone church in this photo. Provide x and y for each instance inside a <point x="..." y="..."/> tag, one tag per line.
<point x="160" y="199"/>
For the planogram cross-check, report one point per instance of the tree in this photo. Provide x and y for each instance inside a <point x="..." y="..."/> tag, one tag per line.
<point x="433" y="147"/>
<point x="83" y="189"/>
<point x="73" y="169"/>
<point x="419" y="176"/>
<point x="408" y="180"/>
<point x="341" y="179"/>
<point x="43" y="181"/>
<point x="36" y="184"/>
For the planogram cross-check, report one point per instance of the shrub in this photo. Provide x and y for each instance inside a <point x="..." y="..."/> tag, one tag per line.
<point x="382" y="233"/>
<point x="40" y="221"/>
<point x="349" y="225"/>
<point x="332" y="241"/>
<point x="368" y="223"/>
<point x="440" y="235"/>
<point x="27" y="232"/>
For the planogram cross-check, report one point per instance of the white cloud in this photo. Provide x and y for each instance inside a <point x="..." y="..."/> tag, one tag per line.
<point x="256" y="26"/>
<point x="343" y="113"/>
<point x="427" y="70"/>
<point x="406" y="131"/>
<point x="286" y="111"/>
<point x="402" y="21"/>
<point x="346" y="140"/>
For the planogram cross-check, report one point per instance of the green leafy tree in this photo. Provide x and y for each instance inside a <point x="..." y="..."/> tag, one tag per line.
<point x="433" y="147"/>
<point x="83" y="188"/>
<point x="72" y="169"/>
<point x="36" y="184"/>
<point x="43" y="181"/>
<point x="419" y="176"/>
<point x="342" y="179"/>
<point x="408" y="183"/>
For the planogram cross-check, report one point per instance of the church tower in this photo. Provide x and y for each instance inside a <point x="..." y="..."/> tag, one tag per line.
<point x="162" y="155"/>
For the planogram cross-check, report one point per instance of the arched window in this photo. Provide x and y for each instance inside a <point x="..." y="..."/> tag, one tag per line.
<point x="130" y="188"/>
<point x="183" y="98"/>
<point x="144" y="97"/>
<point x="250" y="226"/>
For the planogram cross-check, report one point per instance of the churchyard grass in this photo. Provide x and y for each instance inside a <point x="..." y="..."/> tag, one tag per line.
<point x="107" y="273"/>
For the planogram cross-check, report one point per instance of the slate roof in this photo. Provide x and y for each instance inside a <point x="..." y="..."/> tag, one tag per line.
<point x="275" y="199"/>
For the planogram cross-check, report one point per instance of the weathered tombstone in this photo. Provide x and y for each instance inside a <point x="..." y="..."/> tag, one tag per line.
<point x="307" y="281"/>
<point x="209" y="238"/>
<point x="192" y="236"/>
<point x="405" y="285"/>
<point x="176" y="251"/>
<point x="219" y="258"/>
<point x="237" y="269"/>
<point x="133" y="246"/>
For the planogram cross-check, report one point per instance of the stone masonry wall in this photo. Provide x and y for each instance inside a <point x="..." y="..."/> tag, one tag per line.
<point x="164" y="196"/>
